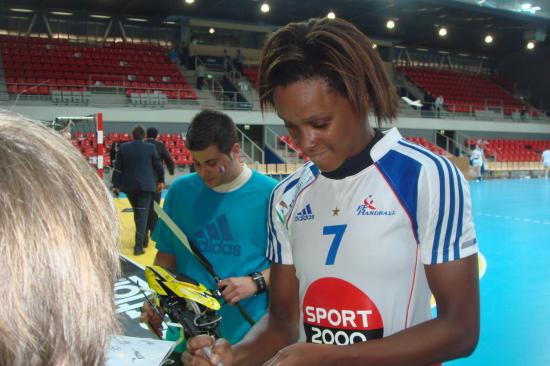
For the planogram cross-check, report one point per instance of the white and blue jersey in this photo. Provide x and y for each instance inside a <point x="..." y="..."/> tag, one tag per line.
<point x="359" y="243"/>
<point x="229" y="229"/>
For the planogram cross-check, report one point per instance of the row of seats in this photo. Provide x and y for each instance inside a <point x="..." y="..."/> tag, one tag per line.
<point x="71" y="97"/>
<point x="464" y="92"/>
<point x="120" y="65"/>
<point x="511" y="150"/>
<point x="251" y="72"/>
<point x="95" y="73"/>
<point x="428" y="145"/>
<point x="38" y="42"/>
<point x="87" y="144"/>
<point x="275" y="169"/>
<point x="148" y="99"/>
<point x="508" y="166"/>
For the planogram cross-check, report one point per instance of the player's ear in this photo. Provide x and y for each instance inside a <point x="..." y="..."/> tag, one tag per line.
<point x="236" y="151"/>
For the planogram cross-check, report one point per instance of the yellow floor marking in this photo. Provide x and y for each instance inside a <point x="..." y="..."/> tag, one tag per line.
<point x="128" y="232"/>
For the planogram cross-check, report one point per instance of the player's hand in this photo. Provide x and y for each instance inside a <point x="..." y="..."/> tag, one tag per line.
<point x="115" y="191"/>
<point x="234" y="289"/>
<point x="150" y="317"/>
<point x="160" y="187"/>
<point x="195" y="355"/>
<point x="300" y="354"/>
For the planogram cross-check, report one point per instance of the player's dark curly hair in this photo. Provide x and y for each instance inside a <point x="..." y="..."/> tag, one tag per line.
<point x="335" y="51"/>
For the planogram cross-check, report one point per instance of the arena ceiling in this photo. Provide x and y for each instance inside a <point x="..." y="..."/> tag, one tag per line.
<point x="417" y="21"/>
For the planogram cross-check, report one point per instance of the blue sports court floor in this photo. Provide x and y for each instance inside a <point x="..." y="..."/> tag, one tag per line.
<point x="512" y="220"/>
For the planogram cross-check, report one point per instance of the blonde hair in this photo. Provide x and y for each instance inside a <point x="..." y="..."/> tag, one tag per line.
<point x="59" y="250"/>
<point x="333" y="50"/>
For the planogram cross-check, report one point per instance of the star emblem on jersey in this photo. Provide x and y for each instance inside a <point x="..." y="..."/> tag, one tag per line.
<point x="335" y="211"/>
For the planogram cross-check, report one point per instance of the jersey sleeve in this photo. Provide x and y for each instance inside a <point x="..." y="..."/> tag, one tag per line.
<point x="278" y="239"/>
<point x="445" y="225"/>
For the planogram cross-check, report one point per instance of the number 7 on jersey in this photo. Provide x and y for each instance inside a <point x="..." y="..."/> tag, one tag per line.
<point x="338" y="232"/>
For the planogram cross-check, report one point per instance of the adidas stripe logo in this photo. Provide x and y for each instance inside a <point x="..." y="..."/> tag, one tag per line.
<point x="305" y="214"/>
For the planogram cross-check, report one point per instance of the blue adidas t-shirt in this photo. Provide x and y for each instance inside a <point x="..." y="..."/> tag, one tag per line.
<point x="230" y="229"/>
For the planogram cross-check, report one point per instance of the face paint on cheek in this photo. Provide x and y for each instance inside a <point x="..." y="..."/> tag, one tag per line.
<point x="222" y="169"/>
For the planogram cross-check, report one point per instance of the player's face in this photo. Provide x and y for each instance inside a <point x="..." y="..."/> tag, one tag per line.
<point x="213" y="166"/>
<point x="322" y="122"/>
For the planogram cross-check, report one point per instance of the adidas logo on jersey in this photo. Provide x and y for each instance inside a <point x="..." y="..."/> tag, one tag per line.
<point x="305" y="214"/>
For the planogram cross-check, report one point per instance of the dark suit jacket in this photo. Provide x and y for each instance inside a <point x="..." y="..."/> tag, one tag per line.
<point x="137" y="168"/>
<point x="163" y="154"/>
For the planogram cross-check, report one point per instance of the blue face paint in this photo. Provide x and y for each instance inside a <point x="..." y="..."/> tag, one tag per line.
<point x="222" y="169"/>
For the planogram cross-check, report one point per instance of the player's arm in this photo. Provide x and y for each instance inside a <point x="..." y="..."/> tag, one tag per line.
<point x="273" y="332"/>
<point x="165" y="260"/>
<point x="452" y="334"/>
<point x="235" y="289"/>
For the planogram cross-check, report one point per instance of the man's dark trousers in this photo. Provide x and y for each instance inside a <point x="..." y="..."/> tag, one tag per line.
<point x="153" y="217"/>
<point x="140" y="201"/>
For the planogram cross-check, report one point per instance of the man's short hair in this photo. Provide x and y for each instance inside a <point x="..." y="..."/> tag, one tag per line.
<point x="212" y="128"/>
<point x="138" y="133"/>
<point x="59" y="239"/>
<point x="152" y="133"/>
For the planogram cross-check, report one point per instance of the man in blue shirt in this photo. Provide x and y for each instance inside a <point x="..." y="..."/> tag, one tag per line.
<point x="222" y="208"/>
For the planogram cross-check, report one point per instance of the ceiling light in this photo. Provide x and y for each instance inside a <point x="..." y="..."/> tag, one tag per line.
<point x="525" y="6"/>
<point x="390" y="24"/>
<point x="137" y="19"/>
<point x="189" y="1"/>
<point x="97" y="16"/>
<point x="488" y="39"/>
<point x="331" y="15"/>
<point x="530" y="45"/>
<point x="528" y="8"/>
<point x="374" y="45"/>
<point x="264" y="8"/>
<point x="20" y="10"/>
<point x="442" y="32"/>
<point x="61" y="13"/>
<point x="211" y="30"/>
<point x="169" y="22"/>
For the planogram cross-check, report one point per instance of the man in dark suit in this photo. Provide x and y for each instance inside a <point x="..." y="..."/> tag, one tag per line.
<point x="164" y="155"/>
<point x="139" y="174"/>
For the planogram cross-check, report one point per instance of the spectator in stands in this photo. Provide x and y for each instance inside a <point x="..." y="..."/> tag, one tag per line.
<point x="523" y="112"/>
<point x="173" y="55"/>
<point x="201" y="74"/>
<point x="428" y="104"/>
<point x="138" y="173"/>
<point x="59" y="238"/>
<point x="365" y="228"/>
<point x="238" y="61"/>
<point x="222" y="208"/>
<point x="477" y="159"/>
<point x="438" y="105"/>
<point x="184" y="55"/>
<point x="546" y="162"/>
<point x="165" y="157"/>
<point x="226" y="61"/>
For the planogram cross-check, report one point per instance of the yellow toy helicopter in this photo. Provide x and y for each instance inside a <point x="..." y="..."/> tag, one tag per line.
<point x="185" y="301"/>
